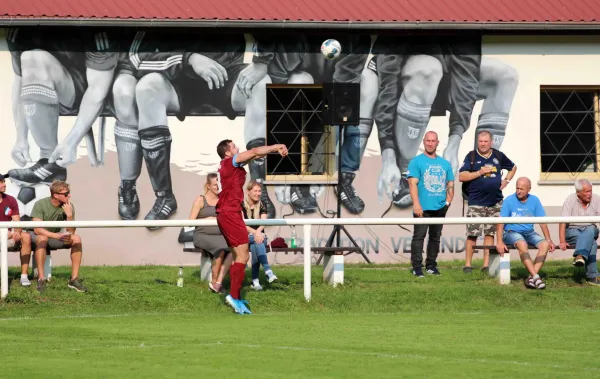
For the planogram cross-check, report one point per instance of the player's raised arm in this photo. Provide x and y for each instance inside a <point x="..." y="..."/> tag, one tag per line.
<point x="259" y="152"/>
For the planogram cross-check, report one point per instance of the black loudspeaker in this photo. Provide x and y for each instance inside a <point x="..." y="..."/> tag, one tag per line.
<point x="341" y="103"/>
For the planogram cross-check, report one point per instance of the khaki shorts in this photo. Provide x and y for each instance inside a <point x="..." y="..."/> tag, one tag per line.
<point x="476" y="230"/>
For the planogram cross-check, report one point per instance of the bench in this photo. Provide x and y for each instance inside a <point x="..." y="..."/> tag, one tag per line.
<point x="500" y="265"/>
<point x="333" y="260"/>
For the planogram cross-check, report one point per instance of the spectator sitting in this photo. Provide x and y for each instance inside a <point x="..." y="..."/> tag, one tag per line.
<point x="582" y="235"/>
<point x="57" y="207"/>
<point x="254" y="209"/>
<point x="523" y="204"/>
<point x="17" y="238"/>
<point x="209" y="238"/>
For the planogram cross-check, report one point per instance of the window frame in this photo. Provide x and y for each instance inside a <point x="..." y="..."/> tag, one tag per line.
<point x="571" y="176"/>
<point x="330" y="175"/>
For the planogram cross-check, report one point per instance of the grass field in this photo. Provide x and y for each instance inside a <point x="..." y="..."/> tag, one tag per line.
<point x="383" y="323"/>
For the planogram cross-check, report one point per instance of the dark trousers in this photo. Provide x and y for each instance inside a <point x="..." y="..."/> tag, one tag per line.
<point x="433" y="245"/>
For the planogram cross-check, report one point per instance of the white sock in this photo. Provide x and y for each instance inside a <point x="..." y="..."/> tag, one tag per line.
<point x="535" y="277"/>
<point x="255" y="282"/>
<point x="269" y="273"/>
<point x="24" y="276"/>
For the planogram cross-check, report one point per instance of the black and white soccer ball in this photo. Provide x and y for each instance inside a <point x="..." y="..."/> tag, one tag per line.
<point x="27" y="196"/>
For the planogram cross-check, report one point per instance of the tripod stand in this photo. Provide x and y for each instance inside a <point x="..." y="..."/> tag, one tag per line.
<point x="337" y="229"/>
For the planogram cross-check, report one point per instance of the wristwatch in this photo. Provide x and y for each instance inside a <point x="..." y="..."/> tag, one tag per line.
<point x="448" y="204"/>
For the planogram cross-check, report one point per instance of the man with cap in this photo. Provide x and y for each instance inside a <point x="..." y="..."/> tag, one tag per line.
<point x="17" y="238"/>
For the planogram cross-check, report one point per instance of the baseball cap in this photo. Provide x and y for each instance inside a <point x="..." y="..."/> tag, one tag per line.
<point x="3" y="176"/>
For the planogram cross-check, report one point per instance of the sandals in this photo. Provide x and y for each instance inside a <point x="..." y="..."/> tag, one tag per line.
<point x="537" y="283"/>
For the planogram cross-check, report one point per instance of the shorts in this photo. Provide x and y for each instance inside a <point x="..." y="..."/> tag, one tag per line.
<point x="476" y="230"/>
<point x="532" y="238"/>
<point x="194" y="93"/>
<point x="233" y="228"/>
<point x="79" y="77"/>
<point x="53" y="244"/>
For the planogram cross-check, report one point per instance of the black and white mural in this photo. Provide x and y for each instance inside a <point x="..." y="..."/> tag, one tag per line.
<point x="126" y="91"/>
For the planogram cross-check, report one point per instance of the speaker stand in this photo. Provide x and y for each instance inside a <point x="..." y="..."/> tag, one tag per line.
<point x="336" y="233"/>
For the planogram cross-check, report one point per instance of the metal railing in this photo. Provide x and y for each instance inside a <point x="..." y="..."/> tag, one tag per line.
<point x="306" y="222"/>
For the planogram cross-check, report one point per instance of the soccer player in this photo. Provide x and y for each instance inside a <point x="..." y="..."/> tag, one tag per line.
<point x="231" y="179"/>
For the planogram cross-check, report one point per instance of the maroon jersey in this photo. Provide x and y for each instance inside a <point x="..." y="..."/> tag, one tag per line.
<point x="9" y="207"/>
<point x="230" y="178"/>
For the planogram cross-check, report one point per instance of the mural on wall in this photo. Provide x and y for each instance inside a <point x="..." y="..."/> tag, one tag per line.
<point x="141" y="79"/>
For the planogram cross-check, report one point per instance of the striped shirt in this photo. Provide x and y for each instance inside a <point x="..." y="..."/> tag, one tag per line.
<point x="572" y="207"/>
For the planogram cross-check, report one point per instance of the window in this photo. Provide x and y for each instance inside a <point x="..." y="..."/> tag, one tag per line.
<point x="294" y="119"/>
<point x="569" y="133"/>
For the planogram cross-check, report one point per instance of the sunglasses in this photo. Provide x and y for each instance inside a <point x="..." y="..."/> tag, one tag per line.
<point x="64" y="193"/>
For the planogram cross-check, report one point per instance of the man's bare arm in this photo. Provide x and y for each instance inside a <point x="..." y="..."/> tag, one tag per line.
<point x="450" y="191"/>
<point x="259" y="152"/>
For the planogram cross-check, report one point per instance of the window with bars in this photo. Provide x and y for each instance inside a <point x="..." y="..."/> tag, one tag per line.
<point x="569" y="132"/>
<point x="294" y="119"/>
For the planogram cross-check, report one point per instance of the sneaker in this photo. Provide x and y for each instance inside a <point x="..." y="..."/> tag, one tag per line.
<point x="433" y="271"/>
<point x="256" y="285"/>
<point x="467" y="269"/>
<point x="41" y="285"/>
<point x="401" y="198"/>
<point x="41" y="172"/>
<point x="164" y="207"/>
<point x="233" y="303"/>
<point x="129" y="203"/>
<point x="77" y="285"/>
<point x="594" y="281"/>
<point x="271" y="277"/>
<point x="348" y="196"/>
<point x="418" y="272"/>
<point x="579" y="261"/>
<point x="243" y="307"/>
<point x="302" y="201"/>
<point x="25" y="281"/>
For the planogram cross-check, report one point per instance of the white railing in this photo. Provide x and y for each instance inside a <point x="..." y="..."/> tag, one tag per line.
<point x="306" y="222"/>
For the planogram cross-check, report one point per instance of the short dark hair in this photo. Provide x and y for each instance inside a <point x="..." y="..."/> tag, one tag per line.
<point x="223" y="147"/>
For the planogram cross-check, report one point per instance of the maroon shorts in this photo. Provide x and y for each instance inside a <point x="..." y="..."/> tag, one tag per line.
<point x="233" y="228"/>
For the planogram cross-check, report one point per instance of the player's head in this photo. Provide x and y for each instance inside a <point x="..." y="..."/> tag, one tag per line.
<point x="227" y="148"/>
<point x="60" y="191"/>
<point x="430" y="142"/>
<point x="211" y="184"/>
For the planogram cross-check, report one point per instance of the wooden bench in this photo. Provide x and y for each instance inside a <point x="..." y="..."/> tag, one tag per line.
<point x="333" y="260"/>
<point x="500" y="265"/>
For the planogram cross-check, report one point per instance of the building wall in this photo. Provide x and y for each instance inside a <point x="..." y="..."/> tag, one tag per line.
<point x="502" y="75"/>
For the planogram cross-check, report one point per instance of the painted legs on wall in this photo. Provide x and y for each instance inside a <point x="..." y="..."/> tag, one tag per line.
<point x="45" y="85"/>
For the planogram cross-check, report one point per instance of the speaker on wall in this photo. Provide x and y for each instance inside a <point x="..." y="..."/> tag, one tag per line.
<point x="341" y="103"/>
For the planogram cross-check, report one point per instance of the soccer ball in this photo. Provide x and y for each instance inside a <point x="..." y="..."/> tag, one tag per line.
<point x="331" y="49"/>
<point x="27" y="196"/>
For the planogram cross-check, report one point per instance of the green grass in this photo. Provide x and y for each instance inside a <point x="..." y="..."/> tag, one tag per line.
<point x="382" y="323"/>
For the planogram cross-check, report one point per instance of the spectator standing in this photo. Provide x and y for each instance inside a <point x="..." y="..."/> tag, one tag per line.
<point x="431" y="184"/>
<point x="481" y="175"/>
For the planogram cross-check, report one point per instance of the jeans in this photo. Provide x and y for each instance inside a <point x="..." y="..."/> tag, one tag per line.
<point x="584" y="239"/>
<point x="433" y="245"/>
<point x="351" y="152"/>
<point x="259" y="256"/>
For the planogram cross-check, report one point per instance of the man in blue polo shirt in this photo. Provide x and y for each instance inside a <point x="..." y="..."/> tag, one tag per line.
<point x="481" y="174"/>
<point x="523" y="204"/>
<point x="431" y="184"/>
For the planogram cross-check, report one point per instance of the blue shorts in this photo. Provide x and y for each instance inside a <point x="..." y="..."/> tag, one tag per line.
<point x="532" y="238"/>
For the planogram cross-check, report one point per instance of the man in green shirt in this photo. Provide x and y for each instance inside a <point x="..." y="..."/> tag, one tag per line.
<point x="57" y="207"/>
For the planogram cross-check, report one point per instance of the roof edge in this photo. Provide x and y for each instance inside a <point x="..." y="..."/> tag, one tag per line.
<point x="350" y="25"/>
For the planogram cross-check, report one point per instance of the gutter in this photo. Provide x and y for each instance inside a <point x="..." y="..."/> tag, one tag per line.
<point x="285" y="24"/>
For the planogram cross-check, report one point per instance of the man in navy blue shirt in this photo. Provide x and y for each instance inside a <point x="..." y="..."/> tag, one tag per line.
<point x="524" y="204"/>
<point x="431" y="184"/>
<point x="482" y="172"/>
